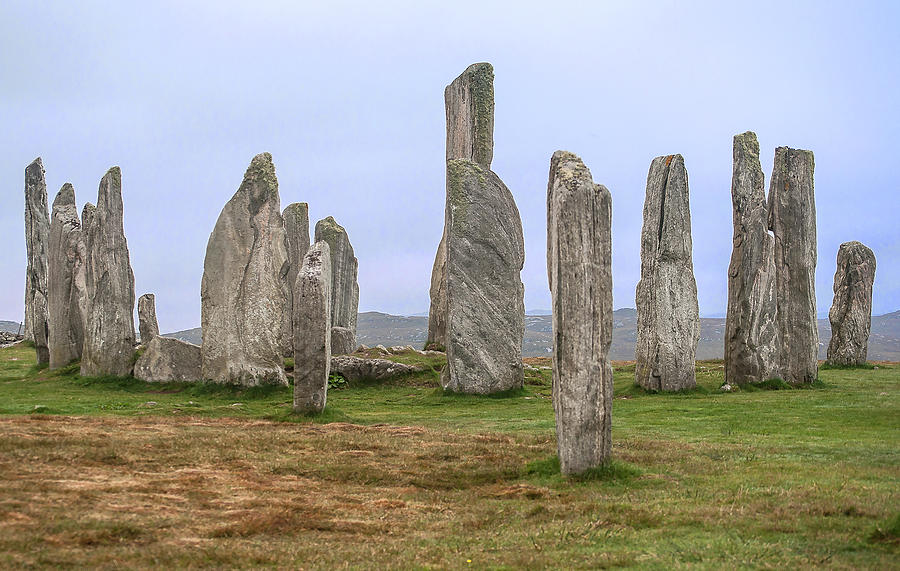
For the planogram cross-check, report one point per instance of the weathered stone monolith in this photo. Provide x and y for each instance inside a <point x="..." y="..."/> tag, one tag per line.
<point x="109" y="283"/>
<point x="148" y="327"/>
<point x="242" y="293"/>
<point x="37" y="241"/>
<point x="296" y="232"/>
<point x="851" y="310"/>
<point x="579" y="264"/>
<point x="343" y="341"/>
<point x="485" y="255"/>
<point x="469" y="108"/>
<point x="167" y="360"/>
<point x="792" y="218"/>
<point x="344" y="269"/>
<point x="312" y="329"/>
<point x="66" y="286"/>
<point x="751" y="329"/>
<point x="668" y="317"/>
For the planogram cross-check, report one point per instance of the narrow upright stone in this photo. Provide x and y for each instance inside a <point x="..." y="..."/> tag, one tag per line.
<point x="312" y="329"/>
<point x="485" y="255"/>
<point x="579" y="263"/>
<point x="37" y="240"/>
<point x="344" y="270"/>
<point x="792" y="217"/>
<point x="244" y="276"/>
<point x="469" y="108"/>
<point x="66" y="281"/>
<point x="668" y="317"/>
<point x="851" y="310"/>
<point x="147" y="324"/>
<point x="296" y="232"/>
<point x="751" y="329"/>
<point x="109" y="282"/>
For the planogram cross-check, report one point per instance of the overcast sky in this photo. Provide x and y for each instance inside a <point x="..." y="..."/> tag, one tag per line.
<point x="348" y="98"/>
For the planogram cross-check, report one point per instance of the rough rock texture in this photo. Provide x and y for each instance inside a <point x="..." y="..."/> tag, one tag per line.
<point x="579" y="264"/>
<point x="165" y="359"/>
<point x="751" y="330"/>
<point x="469" y="107"/>
<point x="344" y="268"/>
<point x="37" y="241"/>
<point x="147" y="324"/>
<point x="109" y="283"/>
<point x="66" y="286"/>
<point x="244" y="277"/>
<point x="792" y="217"/>
<point x="668" y="322"/>
<point x="312" y="329"/>
<point x="485" y="255"/>
<point x="358" y="369"/>
<point x="851" y="310"/>
<point x="343" y="341"/>
<point x="296" y="234"/>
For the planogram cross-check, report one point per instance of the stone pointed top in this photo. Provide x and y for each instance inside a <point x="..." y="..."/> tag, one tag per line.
<point x="35" y="164"/>
<point x="747" y="144"/>
<point x="469" y="107"/>
<point x="567" y="165"/>
<point x="328" y="226"/>
<point x="65" y="196"/>
<point x="297" y="207"/>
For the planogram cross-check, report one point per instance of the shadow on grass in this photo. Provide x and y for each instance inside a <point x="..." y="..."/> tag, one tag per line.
<point x="832" y="367"/>
<point x="610" y="471"/>
<point x="888" y="532"/>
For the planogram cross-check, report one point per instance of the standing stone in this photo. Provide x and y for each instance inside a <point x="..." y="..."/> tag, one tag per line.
<point x="37" y="240"/>
<point x="851" y="310"/>
<point x="343" y="341"/>
<point x="296" y="233"/>
<point x="147" y="324"/>
<point x="485" y="295"/>
<point x="312" y="329"/>
<point x="344" y="269"/>
<point x="668" y="317"/>
<point x="242" y="292"/>
<point x="66" y="284"/>
<point x="469" y="107"/>
<point x="579" y="263"/>
<point x="751" y="330"/>
<point x="109" y="282"/>
<point x="792" y="217"/>
<point x="166" y="360"/>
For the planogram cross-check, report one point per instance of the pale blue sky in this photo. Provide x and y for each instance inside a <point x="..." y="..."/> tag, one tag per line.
<point x="348" y="98"/>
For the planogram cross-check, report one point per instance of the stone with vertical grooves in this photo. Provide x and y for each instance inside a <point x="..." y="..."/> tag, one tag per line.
<point x="243" y="289"/>
<point x="296" y="231"/>
<point x="312" y="329"/>
<point x="668" y="317"/>
<point x="37" y="240"/>
<point x="148" y="327"/>
<point x="109" y="283"/>
<point x="751" y="329"/>
<point x="485" y="255"/>
<point x="851" y="310"/>
<point x="343" y="342"/>
<point x="344" y="270"/>
<point x="792" y="218"/>
<point x="66" y="286"/>
<point x="579" y="264"/>
<point x="469" y="108"/>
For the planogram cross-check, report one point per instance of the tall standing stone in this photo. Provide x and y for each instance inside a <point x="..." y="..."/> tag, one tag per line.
<point x="344" y="270"/>
<point x="579" y="263"/>
<point x="792" y="218"/>
<point x="37" y="239"/>
<point x="485" y="255"/>
<point x="312" y="329"/>
<point x="109" y="282"/>
<point x="242" y="292"/>
<point x="469" y="107"/>
<point x="66" y="281"/>
<point x="668" y="317"/>
<point x="751" y="330"/>
<point x="851" y="310"/>
<point x="148" y="327"/>
<point x="296" y="231"/>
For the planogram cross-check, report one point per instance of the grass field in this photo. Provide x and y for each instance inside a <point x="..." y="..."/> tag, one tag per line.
<point x="115" y="472"/>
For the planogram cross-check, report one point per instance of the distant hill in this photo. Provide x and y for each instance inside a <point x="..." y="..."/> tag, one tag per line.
<point x="10" y="326"/>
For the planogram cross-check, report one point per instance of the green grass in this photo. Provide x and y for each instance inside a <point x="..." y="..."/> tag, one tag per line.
<point x="114" y="471"/>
